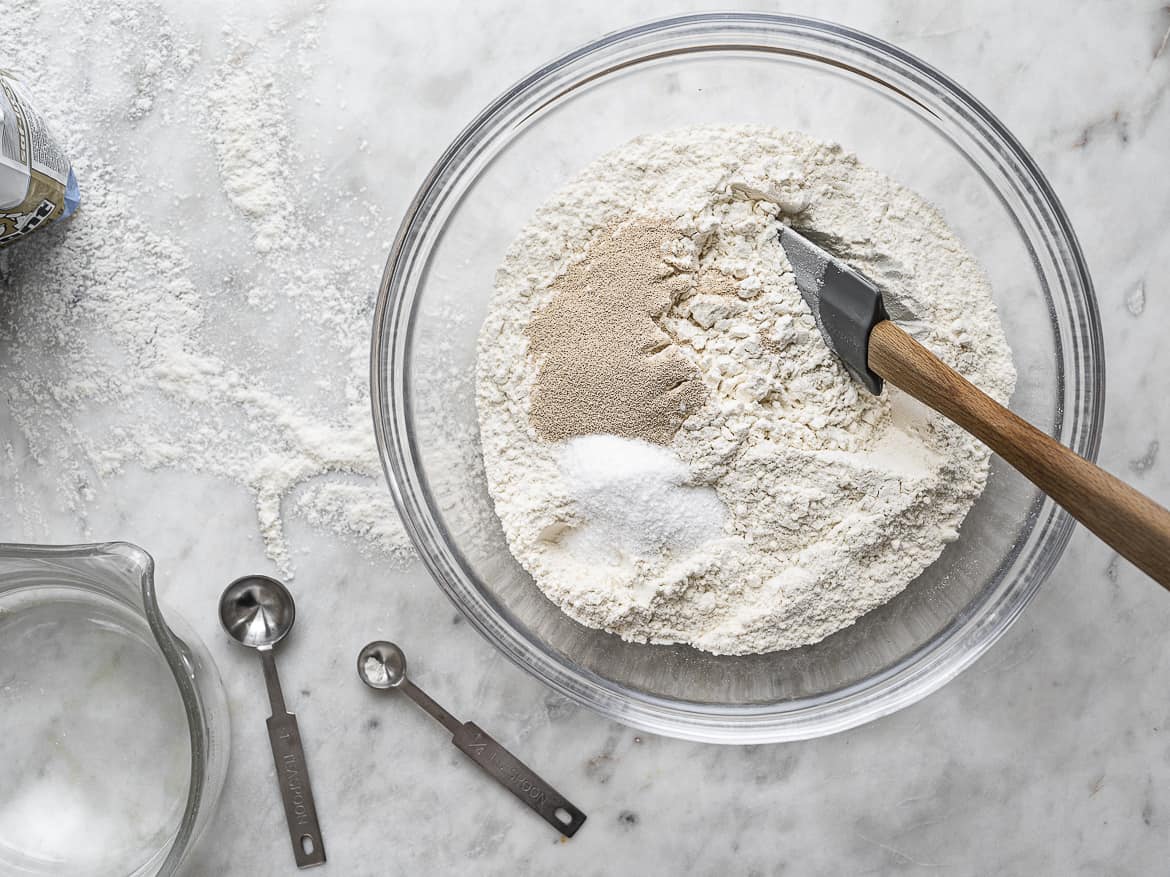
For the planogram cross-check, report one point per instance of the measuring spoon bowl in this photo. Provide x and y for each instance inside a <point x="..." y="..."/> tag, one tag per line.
<point x="381" y="665"/>
<point x="257" y="611"/>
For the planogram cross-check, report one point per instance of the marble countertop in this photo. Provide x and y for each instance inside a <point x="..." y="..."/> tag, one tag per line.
<point x="1048" y="756"/>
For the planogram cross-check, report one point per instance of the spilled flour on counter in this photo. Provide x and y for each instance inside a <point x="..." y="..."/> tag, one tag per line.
<point x="726" y="484"/>
<point x="193" y="316"/>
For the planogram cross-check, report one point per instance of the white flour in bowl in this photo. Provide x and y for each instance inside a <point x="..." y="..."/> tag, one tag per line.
<point x="674" y="454"/>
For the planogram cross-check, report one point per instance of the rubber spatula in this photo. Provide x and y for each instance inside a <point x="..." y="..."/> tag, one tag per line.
<point x="852" y="318"/>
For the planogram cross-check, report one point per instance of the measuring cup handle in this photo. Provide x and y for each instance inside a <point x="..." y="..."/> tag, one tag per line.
<point x="295" y="791"/>
<point x="518" y="779"/>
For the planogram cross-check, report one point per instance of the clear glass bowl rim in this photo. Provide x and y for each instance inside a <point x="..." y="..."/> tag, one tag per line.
<point x="1078" y="424"/>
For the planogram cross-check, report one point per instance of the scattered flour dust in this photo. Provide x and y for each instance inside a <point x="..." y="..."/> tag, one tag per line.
<point x="202" y="325"/>
<point x="791" y="502"/>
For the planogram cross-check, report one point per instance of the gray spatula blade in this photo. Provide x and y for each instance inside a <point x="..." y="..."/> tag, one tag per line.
<point x="844" y="303"/>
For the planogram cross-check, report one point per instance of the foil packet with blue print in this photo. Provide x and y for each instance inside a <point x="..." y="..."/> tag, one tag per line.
<point x="37" y="185"/>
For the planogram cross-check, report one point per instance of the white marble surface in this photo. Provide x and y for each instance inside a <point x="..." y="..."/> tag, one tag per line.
<point x="1049" y="756"/>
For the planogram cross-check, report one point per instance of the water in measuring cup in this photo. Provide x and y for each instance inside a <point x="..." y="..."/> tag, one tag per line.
<point x="95" y="754"/>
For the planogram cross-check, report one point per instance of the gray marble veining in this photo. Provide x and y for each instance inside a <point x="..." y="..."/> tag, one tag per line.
<point x="1049" y="756"/>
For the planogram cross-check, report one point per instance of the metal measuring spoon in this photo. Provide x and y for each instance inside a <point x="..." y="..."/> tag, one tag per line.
<point x="382" y="665"/>
<point x="258" y="612"/>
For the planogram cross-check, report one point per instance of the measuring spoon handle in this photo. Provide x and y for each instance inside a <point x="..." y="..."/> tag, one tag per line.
<point x="295" y="791"/>
<point x="518" y="779"/>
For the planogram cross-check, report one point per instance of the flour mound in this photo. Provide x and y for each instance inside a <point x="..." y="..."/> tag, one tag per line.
<point x="802" y="500"/>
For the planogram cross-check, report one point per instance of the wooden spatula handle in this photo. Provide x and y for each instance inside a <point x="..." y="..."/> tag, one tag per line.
<point x="1132" y="523"/>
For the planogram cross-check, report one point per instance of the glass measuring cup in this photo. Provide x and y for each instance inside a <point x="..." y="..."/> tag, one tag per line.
<point x="114" y="726"/>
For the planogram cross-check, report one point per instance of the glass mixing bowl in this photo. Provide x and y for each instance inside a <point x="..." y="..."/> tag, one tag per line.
<point x="113" y="721"/>
<point x="901" y="117"/>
